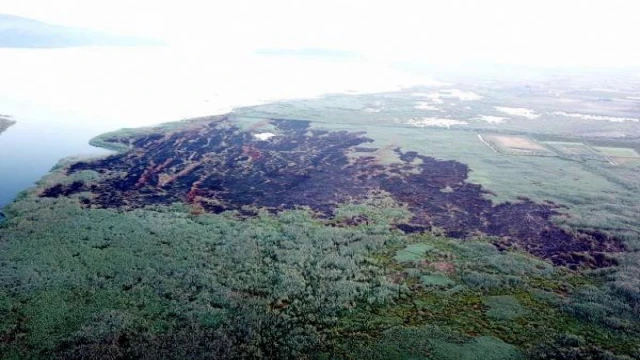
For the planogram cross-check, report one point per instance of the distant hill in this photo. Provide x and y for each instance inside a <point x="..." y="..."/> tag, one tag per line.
<point x="5" y="123"/>
<point x="19" y="32"/>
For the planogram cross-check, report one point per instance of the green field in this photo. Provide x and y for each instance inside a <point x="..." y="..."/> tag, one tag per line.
<point x="517" y="145"/>
<point x="570" y="148"/>
<point x="617" y="152"/>
<point x="173" y="284"/>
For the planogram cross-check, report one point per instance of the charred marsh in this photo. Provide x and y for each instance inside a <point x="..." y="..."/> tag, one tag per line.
<point x="218" y="166"/>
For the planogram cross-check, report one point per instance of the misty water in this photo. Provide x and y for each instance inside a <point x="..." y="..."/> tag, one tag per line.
<point x="61" y="98"/>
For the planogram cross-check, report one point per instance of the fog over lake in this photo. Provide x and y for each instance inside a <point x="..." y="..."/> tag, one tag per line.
<point x="61" y="98"/>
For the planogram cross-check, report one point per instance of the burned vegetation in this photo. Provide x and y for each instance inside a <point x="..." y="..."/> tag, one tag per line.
<point x="218" y="166"/>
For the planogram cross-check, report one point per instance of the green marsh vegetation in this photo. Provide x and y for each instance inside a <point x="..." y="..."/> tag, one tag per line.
<point x="595" y="193"/>
<point x="161" y="282"/>
<point x="170" y="282"/>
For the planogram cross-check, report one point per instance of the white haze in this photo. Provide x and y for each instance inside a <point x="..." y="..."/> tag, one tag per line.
<point x="109" y="88"/>
<point x="571" y="33"/>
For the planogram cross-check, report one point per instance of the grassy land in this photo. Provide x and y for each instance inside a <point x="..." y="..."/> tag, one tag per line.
<point x="596" y="193"/>
<point x="165" y="282"/>
<point x="508" y="297"/>
<point x="618" y="152"/>
<point x="119" y="140"/>
<point x="78" y="282"/>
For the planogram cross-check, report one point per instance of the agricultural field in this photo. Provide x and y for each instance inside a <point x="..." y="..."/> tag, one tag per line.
<point x="570" y="148"/>
<point x="517" y="145"/>
<point x="340" y="227"/>
<point x="618" y="152"/>
<point x="575" y="151"/>
<point x="618" y="155"/>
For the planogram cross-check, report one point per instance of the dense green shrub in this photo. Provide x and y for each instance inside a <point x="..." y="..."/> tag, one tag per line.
<point x="267" y="285"/>
<point x="570" y="347"/>
<point x="432" y="342"/>
<point x="504" y="307"/>
<point x="161" y="282"/>
<point x="436" y="280"/>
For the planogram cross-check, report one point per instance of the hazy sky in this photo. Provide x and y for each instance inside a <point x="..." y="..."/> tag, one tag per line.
<point x="540" y="32"/>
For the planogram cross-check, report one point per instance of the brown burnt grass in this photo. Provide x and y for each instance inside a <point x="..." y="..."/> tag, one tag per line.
<point x="218" y="167"/>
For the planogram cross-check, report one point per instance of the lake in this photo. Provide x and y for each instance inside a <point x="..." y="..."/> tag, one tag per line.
<point x="61" y="98"/>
